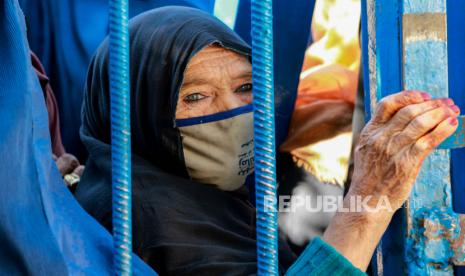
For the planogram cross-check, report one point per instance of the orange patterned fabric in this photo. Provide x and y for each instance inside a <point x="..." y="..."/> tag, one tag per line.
<point x="327" y="88"/>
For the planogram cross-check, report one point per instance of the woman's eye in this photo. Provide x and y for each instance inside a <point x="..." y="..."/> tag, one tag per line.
<point x="244" y="88"/>
<point x="195" y="97"/>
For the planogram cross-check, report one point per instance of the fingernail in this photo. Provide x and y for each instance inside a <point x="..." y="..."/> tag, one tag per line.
<point x="455" y="108"/>
<point x="449" y="102"/>
<point x="453" y="121"/>
<point x="425" y="96"/>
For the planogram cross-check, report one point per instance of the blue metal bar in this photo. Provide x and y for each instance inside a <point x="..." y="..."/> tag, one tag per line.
<point x="382" y="67"/>
<point x="456" y="44"/>
<point x="381" y="44"/>
<point x="120" y="136"/>
<point x="264" y="136"/>
<point x="290" y="23"/>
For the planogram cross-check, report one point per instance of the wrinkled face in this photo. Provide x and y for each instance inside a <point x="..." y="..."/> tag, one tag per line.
<point x="215" y="80"/>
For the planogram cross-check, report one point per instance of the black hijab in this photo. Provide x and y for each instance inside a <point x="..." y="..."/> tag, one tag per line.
<point x="179" y="226"/>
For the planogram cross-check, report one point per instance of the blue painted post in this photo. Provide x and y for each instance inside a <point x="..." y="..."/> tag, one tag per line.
<point x="264" y="137"/>
<point x="120" y="136"/>
<point x="433" y="228"/>
<point x="428" y="238"/>
<point x="456" y="44"/>
<point x="381" y="52"/>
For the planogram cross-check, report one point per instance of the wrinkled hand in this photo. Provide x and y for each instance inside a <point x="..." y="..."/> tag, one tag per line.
<point x="70" y="169"/>
<point x="404" y="130"/>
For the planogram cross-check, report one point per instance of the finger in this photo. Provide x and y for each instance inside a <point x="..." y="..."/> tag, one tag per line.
<point x="427" y="143"/>
<point x="426" y="122"/>
<point x="389" y="105"/>
<point x="54" y="157"/>
<point x="79" y="170"/>
<point x="67" y="163"/>
<point x="408" y="113"/>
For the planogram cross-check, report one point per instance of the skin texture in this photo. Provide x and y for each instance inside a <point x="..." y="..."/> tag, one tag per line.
<point x="215" y="80"/>
<point x="405" y="129"/>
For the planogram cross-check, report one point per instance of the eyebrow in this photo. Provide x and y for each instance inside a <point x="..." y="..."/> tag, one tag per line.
<point x="201" y="81"/>
<point x="198" y="81"/>
<point x="244" y="75"/>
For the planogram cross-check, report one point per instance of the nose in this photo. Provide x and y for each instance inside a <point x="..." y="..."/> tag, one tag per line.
<point x="232" y="101"/>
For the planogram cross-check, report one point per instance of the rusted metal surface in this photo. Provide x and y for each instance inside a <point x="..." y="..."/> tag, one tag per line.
<point x="428" y="28"/>
<point x="432" y="234"/>
<point x="381" y="33"/>
<point x="418" y="27"/>
<point x="458" y="244"/>
<point x="373" y="69"/>
<point x="434" y="242"/>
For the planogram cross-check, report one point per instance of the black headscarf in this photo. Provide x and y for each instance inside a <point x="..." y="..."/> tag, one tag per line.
<point x="179" y="226"/>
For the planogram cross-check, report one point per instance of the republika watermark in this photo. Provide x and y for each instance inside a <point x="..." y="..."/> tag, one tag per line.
<point x="327" y="203"/>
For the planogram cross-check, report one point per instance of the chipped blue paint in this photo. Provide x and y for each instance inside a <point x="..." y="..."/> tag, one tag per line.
<point x="428" y="253"/>
<point x="457" y="140"/>
<point x="424" y="6"/>
<point x="381" y="33"/>
<point x="426" y="67"/>
<point x="432" y="224"/>
<point x="434" y="78"/>
<point x="431" y="188"/>
<point x="381" y="43"/>
<point x="427" y="237"/>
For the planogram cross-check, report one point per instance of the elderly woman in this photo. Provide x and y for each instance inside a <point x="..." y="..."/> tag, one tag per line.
<point x="191" y="120"/>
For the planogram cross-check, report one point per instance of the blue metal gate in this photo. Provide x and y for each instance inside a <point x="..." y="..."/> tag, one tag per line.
<point x="405" y="46"/>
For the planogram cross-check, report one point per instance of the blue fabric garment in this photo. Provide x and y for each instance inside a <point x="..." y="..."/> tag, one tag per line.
<point x="319" y="258"/>
<point x="64" y="35"/>
<point x="43" y="230"/>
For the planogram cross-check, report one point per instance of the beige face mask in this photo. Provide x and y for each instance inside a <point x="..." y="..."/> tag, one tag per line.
<point x="218" y="148"/>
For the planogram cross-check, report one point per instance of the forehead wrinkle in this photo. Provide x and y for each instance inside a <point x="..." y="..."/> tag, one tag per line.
<point x="202" y="67"/>
<point x="197" y="76"/>
<point x="232" y="67"/>
<point x="214" y="56"/>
